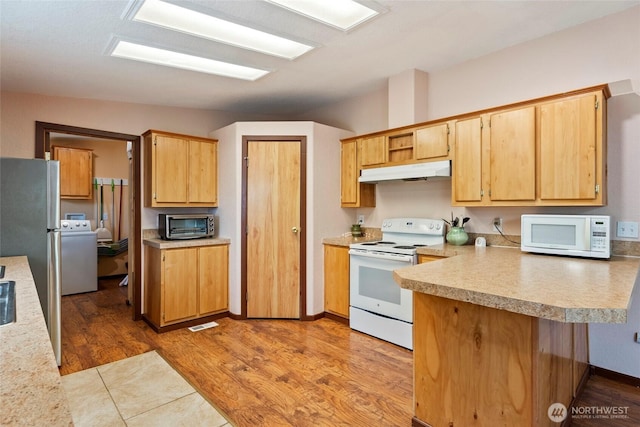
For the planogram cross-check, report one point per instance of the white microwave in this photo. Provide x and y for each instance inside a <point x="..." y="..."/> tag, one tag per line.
<point x="572" y="235"/>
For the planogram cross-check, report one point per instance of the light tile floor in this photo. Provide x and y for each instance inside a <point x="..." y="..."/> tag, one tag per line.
<point x="143" y="390"/>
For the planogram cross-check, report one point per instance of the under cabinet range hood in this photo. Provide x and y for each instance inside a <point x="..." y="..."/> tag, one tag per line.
<point x="411" y="172"/>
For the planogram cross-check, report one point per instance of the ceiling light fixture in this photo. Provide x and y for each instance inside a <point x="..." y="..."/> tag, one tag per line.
<point x="188" y="21"/>
<point x="343" y="14"/>
<point x="169" y="58"/>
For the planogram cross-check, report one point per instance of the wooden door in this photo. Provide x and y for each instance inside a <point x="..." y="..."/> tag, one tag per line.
<point x="203" y="172"/>
<point x="179" y="282"/>
<point x="467" y="164"/>
<point x="76" y="172"/>
<point x="273" y="217"/>
<point x="336" y="280"/>
<point x="373" y="150"/>
<point x="213" y="279"/>
<point x="170" y="169"/>
<point x="513" y="155"/>
<point x="568" y="149"/>
<point x="349" y="174"/>
<point x="432" y="141"/>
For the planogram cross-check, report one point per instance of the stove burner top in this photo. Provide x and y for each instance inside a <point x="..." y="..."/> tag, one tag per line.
<point x="403" y="236"/>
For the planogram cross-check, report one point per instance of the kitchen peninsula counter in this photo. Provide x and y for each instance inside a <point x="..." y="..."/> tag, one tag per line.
<point x="30" y="387"/>
<point x="500" y="335"/>
<point x="557" y="288"/>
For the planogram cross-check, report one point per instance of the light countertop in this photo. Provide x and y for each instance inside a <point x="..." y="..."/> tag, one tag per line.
<point x="558" y="288"/>
<point x="188" y="243"/>
<point x="30" y="388"/>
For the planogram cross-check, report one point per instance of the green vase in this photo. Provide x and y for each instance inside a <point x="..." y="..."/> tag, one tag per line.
<point x="457" y="236"/>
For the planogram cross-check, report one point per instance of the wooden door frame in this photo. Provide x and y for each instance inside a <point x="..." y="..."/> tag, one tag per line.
<point x="43" y="146"/>
<point x="303" y="219"/>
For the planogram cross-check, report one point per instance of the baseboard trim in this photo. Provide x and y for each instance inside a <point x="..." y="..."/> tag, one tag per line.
<point x="416" y="422"/>
<point x="340" y="319"/>
<point x="615" y="376"/>
<point x="185" y="324"/>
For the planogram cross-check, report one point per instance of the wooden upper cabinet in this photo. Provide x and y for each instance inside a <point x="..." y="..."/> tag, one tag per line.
<point x="353" y="194"/>
<point x="545" y="153"/>
<point x="76" y="172"/>
<point x="180" y="170"/>
<point x="467" y="161"/>
<point x="170" y="164"/>
<point x="349" y="173"/>
<point x="549" y="151"/>
<point x="373" y="151"/>
<point x="569" y="146"/>
<point x="432" y="141"/>
<point x="203" y="172"/>
<point x="512" y="165"/>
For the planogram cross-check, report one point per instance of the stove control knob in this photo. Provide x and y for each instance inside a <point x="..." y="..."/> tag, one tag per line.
<point x="65" y="225"/>
<point x="438" y="226"/>
<point x="430" y="226"/>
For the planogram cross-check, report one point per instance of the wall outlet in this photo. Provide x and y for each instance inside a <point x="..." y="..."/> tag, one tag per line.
<point x="360" y="219"/>
<point x="627" y="229"/>
<point x="497" y="222"/>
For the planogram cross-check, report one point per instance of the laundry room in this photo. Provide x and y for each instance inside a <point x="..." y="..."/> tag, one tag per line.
<point x="94" y="192"/>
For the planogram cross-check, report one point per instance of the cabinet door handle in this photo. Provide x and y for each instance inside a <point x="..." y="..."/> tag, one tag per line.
<point x="295" y="230"/>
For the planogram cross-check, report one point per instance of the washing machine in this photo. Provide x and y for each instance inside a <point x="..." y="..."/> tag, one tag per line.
<point x="79" y="257"/>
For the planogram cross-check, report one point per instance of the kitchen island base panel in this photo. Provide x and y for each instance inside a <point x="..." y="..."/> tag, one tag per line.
<point x="476" y="365"/>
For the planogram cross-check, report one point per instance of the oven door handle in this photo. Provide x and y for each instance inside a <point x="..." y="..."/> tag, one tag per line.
<point x="389" y="257"/>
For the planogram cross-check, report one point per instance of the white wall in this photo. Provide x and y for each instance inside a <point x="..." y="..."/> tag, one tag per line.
<point x="602" y="51"/>
<point x="324" y="215"/>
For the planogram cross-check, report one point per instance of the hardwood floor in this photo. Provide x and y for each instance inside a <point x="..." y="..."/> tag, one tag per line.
<point x="601" y="397"/>
<point x="257" y="372"/>
<point x="278" y="372"/>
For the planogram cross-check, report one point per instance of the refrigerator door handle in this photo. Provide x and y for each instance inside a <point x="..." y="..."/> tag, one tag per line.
<point x="55" y="280"/>
<point x="53" y="195"/>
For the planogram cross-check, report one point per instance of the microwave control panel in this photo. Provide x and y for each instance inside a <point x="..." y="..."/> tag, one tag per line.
<point x="600" y="230"/>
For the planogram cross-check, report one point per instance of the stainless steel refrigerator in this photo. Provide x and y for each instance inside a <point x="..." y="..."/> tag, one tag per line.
<point x="30" y="225"/>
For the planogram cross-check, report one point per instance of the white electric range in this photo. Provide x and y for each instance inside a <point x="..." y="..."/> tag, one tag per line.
<point x="378" y="306"/>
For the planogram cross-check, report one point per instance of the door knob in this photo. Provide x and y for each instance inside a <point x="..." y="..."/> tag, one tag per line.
<point x="295" y="230"/>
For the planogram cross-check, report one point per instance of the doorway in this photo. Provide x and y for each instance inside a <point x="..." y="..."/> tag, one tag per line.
<point x="273" y="217"/>
<point x="42" y="150"/>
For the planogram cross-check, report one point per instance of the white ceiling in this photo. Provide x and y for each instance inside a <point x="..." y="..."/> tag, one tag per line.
<point x="58" y="48"/>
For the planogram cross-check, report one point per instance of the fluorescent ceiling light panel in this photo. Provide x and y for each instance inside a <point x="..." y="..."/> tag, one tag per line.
<point x="169" y="58"/>
<point x="188" y="21"/>
<point x="344" y="14"/>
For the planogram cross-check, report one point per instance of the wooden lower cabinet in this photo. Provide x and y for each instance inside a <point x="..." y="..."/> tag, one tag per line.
<point x="475" y="365"/>
<point x="185" y="283"/>
<point x="427" y="258"/>
<point x="336" y="280"/>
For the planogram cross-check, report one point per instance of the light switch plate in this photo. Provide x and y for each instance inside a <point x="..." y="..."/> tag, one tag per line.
<point x="627" y="229"/>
